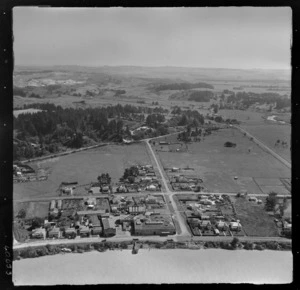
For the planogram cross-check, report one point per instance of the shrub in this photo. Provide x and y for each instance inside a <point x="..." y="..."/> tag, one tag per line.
<point x="158" y="246"/>
<point x="16" y="255"/>
<point x="248" y="246"/>
<point x="272" y="245"/>
<point x="124" y="246"/>
<point x="259" y="247"/>
<point x="235" y="242"/>
<point x="41" y="251"/>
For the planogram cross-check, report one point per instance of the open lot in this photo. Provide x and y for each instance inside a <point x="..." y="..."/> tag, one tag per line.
<point x="254" y="219"/>
<point x="269" y="134"/>
<point x="218" y="165"/>
<point x="33" y="209"/>
<point x="83" y="167"/>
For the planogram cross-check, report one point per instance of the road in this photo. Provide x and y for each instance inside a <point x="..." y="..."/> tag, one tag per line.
<point x="265" y="147"/>
<point x="170" y="194"/>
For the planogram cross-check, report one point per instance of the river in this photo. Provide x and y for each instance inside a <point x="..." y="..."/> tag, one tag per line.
<point x="156" y="266"/>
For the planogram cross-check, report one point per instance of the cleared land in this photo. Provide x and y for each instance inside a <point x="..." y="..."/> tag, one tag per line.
<point x="269" y="134"/>
<point x="83" y="167"/>
<point x="218" y="165"/>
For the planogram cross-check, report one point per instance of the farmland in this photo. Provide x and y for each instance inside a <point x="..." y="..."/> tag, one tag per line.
<point x="218" y="165"/>
<point x="83" y="167"/>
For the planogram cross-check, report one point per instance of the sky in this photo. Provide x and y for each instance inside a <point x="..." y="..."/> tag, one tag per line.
<point x="222" y="37"/>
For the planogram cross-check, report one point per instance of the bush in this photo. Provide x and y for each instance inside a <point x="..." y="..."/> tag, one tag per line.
<point x="16" y="255"/>
<point x="235" y="242"/>
<point x="158" y="246"/>
<point x="259" y="247"/>
<point x="225" y="245"/>
<point x="41" y="251"/>
<point x="248" y="246"/>
<point x="272" y="245"/>
<point x="124" y="246"/>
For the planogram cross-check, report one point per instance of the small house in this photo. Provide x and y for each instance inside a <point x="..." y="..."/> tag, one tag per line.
<point x="59" y="204"/>
<point x="253" y="198"/>
<point x="109" y="229"/>
<point x="54" y="233"/>
<point x="205" y="224"/>
<point x="235" y="226"/>
<point x="84" y="231"/>
<point x="221" y="225"/>
<point x="70" y="233"/>
<point x="97" y="230"/>
<point x="39" y="234"/>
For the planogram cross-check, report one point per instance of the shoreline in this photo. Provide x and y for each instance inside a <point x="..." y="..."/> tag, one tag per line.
<point x="234" y="245"/>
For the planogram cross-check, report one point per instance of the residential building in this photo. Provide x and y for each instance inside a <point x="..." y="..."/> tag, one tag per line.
<point x="70" y="233"/>
<point x="97" y="230"/>
<point x="39" y="234"/>
<point x="109" y="229"/>
<point x="84" y="231"/>
<point x="54" y="233"/>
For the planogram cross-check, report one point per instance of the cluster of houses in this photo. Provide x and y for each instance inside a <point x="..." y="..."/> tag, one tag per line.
<point x="204" y="216"/>
<point x="24" y="173"/>
<point x="137" y="215"/>
<point x="144" y="180"/>
<point x="186" y="183"/>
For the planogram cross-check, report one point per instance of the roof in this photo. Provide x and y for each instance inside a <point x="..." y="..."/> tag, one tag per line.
<point x="55" y="230"/>
<point x="107" y="223"/>
<point x="91" y="212"/>
<point x="136" y="209"/>
<point x="70" y="230"/>
<point x="84" y="230"/>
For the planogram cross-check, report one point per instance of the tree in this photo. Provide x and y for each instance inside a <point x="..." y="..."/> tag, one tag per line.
<point x="37" y="222"/>
<point x="21" y="214"/>
<point x="235" y="242"/>
<point x="271" y="201"/>
<point x="283" y="206"/>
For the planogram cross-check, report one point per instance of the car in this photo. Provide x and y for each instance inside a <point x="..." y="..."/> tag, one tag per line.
<point x="276" y="220"/>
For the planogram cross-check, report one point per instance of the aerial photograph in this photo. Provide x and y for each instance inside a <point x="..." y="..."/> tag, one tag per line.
<point x="152" y="145"/>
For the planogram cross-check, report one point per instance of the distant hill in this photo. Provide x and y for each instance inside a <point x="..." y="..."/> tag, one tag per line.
<point x="184" y="73"/>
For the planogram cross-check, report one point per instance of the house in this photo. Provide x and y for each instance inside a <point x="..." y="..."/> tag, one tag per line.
<point x="235" y="226"/>
<point x="82" y="213"/>
<point x="151" y="187"/>
<point x="59" y="204"/>
<point x="253" y="198"/>
<point x="39" y="234"/>
<point x="97" y="230"/>
<point x="151" y="199"/>
<point x="205" y="224"/>
<point x="54" y="233"/>
<point x="67" y="190"/>
<point x="204" y="217"/>
<point x="52" y="204"/>
<point x="108" y="226"/>
<point x="84" y="231"/>
<point x="70" y="233"/>
<point x="163" y="143"/>
<point x="94" y="190"/>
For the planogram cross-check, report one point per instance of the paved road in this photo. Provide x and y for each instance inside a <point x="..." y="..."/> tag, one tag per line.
<point x="262" y="145"/>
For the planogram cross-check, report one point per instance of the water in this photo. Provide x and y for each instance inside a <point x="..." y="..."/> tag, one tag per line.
<point x="156" y="266"/>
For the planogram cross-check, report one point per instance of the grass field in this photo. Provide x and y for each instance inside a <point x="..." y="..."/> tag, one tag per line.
<point x="83" y="167"/>
<point x="33" y="209"/>
<point x="254" y="219"/>
<point x="218" y="165"/>
<point x="269" y="134"/>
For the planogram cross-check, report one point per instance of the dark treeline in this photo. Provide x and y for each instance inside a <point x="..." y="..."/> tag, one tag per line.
<point x="201" y="96"/>
<point x="183" y="86"/>
<point x="247" y="99"/>
<point x="56" y="128"/>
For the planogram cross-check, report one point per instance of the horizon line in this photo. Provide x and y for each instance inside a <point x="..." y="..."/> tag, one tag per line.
<point x="146" y="66"/>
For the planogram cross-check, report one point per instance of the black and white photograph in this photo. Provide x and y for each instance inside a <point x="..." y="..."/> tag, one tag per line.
<point x="152" y="145"/>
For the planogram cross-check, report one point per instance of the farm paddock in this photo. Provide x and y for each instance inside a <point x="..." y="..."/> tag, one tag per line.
<point x="218" y="166"/>
<point x="83" y="167"/>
